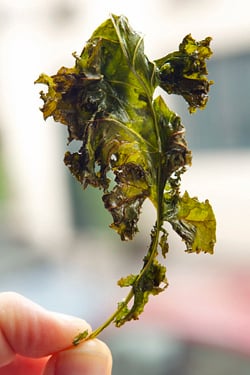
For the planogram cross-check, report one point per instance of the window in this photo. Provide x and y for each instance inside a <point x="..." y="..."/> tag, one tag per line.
<point x="225" y="123"/>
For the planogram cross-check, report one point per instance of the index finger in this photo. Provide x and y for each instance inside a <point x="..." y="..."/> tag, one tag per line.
<point x="30" y="330"/>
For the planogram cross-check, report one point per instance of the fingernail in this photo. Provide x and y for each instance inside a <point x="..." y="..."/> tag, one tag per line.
<point x="89" y="358"/>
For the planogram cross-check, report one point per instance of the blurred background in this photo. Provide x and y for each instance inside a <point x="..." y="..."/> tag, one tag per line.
<point x="55" y="244"/>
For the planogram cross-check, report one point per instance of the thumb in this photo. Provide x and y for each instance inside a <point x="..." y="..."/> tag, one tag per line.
<point x="91" y="357"/>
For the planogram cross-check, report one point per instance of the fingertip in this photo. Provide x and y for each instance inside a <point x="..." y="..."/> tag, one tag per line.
<point x="91" y="357"/>
<point x="32" y="331"/>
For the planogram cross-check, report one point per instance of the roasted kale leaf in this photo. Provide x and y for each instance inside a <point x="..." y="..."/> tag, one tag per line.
<point x="132" y="145"/>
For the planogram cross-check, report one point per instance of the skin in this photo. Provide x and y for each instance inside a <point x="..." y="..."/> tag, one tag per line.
<point x="38" y="342"/>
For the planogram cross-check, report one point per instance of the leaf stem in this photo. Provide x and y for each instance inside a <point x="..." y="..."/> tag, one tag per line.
<point x="98" y="330"/>
<point x="152" y="252"/>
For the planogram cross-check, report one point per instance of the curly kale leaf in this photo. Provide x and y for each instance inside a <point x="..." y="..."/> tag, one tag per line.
<point x="194" y="221"/>
<point x="106" y="101"/>
<point x="184" y="72"/>
<point x="132" y="146"/>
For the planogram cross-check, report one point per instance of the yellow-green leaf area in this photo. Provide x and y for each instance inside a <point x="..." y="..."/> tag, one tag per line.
<point x="200" y="216"/>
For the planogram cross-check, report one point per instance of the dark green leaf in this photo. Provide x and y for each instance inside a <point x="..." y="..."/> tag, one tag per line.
<point x="163" y="243"/>
<point x="132" y="146"/>
<point x="184" y="72"/>
<point x="151" y="282"/>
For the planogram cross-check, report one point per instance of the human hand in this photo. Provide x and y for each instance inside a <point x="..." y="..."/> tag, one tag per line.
<point x="34" y="341"/>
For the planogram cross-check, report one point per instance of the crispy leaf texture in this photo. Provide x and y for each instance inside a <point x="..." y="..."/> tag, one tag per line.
<point x="132" y="146"/>
<point x="184" y="72"/>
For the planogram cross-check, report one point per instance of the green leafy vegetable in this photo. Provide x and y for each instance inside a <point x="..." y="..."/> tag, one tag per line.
<point x="132" y="145"/>
<point x="184" y="72"/>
